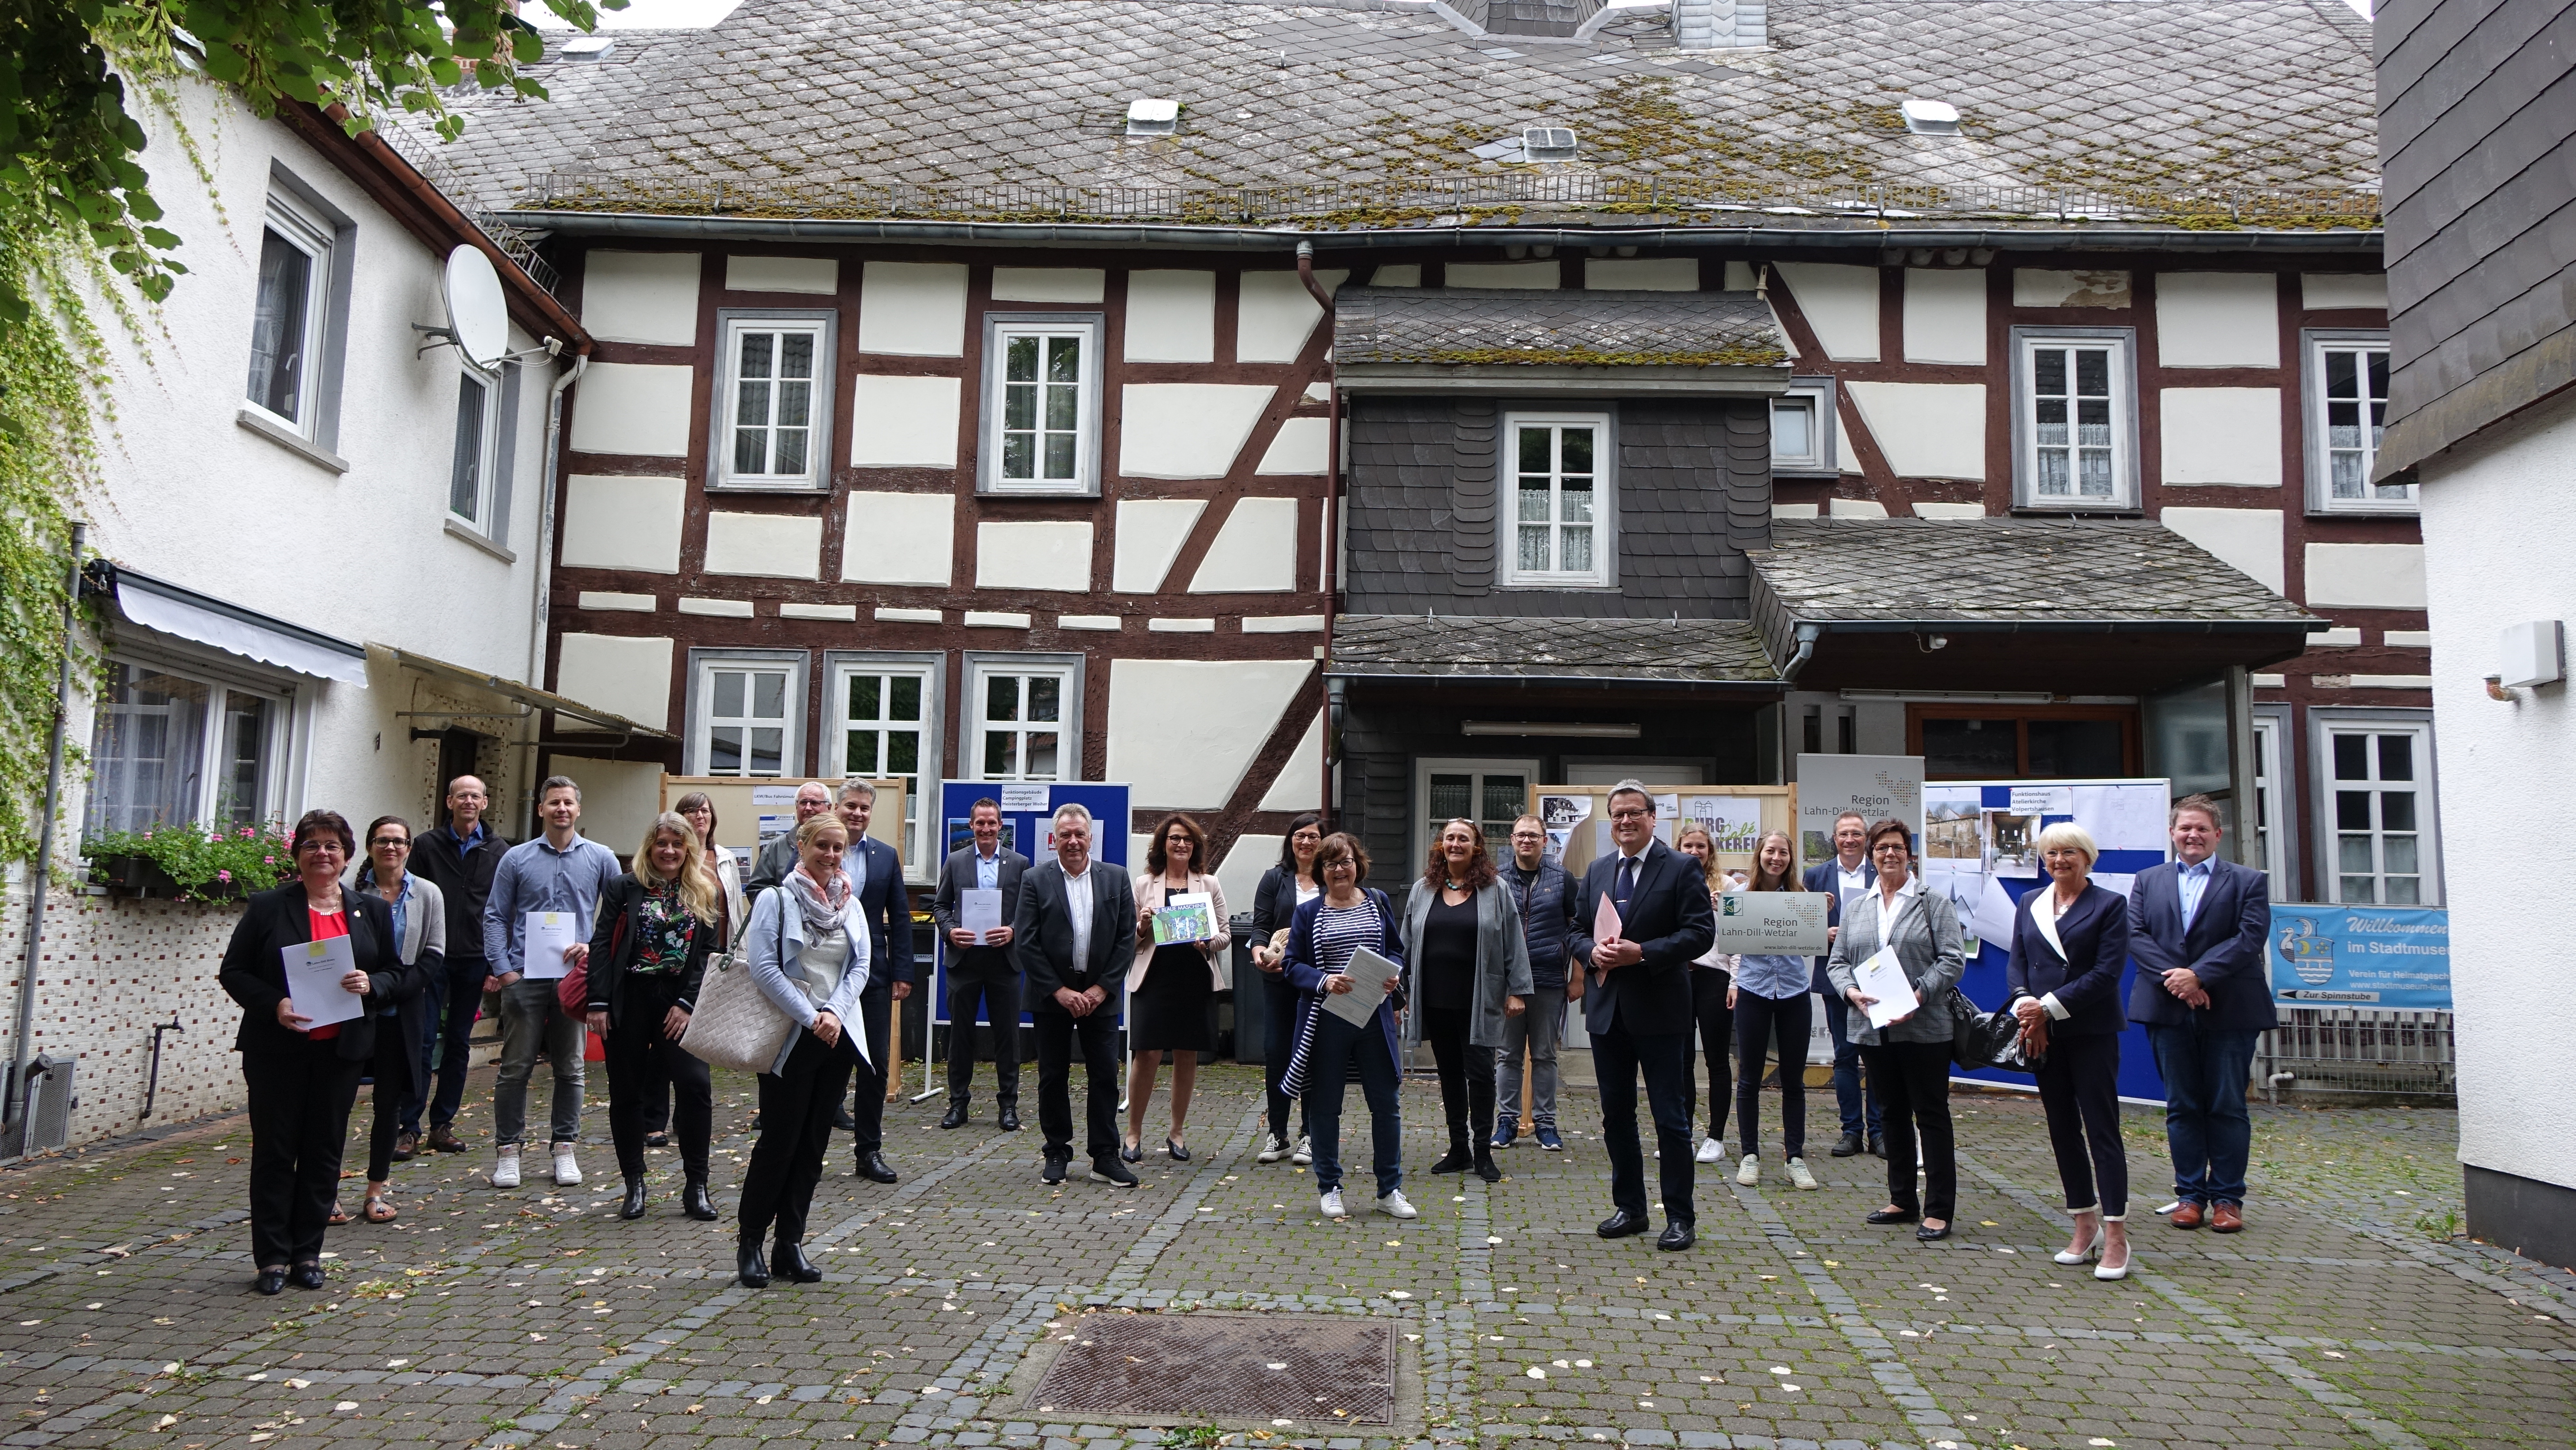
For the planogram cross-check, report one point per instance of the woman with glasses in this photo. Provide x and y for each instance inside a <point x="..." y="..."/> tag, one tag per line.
<point x="1284" y="888"/>
<point x="302" y="1072"/>
<point x="1908" y="1057"/>
<point x="420" y="930"/>
<point x="1327" y="935"/>
<point x="1172" y="987"/>
<point x="1470" y="971"/>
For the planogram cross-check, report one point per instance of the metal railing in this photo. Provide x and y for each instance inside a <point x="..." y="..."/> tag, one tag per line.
<point x="2347" y="1051"/>
<point x="423" y="156"/>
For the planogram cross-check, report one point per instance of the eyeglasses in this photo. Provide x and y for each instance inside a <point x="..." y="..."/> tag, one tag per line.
<point x="398" y="842"/>
<point x="1630" y="815"/>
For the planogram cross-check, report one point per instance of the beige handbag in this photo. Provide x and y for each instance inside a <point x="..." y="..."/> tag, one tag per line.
<point x="736" y="1025"/>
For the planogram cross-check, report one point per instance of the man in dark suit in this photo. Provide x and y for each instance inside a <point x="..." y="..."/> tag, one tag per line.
<point x="876" y="874"/>
<point x="1846" y="877"/>
<point x="1637" y="1007"/>
<point x="778" y="858"/>
<point x="2197" y="930"/>
<point x="980" y="966"/>
<point x="458" y="856"/>
<point x="1074" y="935"/>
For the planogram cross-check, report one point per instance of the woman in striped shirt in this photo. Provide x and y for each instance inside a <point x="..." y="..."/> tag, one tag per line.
<point x="1328" y="932"/>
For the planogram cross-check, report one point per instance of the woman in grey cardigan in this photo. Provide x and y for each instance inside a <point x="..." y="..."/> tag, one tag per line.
<point x="1467" y="970"/>
<point x="420" y="930"/>
<point x="1909" y="1058"/>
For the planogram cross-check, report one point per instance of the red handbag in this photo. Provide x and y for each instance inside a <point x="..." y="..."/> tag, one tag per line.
<point x="572" y="989"/>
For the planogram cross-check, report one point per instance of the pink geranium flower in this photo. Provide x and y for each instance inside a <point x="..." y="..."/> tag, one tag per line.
<point x="223" y="876"/>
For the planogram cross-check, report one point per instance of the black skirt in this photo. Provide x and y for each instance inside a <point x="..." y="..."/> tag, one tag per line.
<point x="1168" y="1011"/>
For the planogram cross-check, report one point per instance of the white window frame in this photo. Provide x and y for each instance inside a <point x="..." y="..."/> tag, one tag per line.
<point x="200" y="800"/>
<point x="820" y="429"/>
<point x="2324" y="723"/>
<point x="314" y="235"/>
<point x="703" y="663"/>
<point x="920" y="805"/>
<point x="1605" y="508"/>
<point x="981" y="667"/>
<point x="2274" y="784"/>
<point x="1816" y="395"/>
<point x="2315" y="343"/>
<point x="1425" y="767"/>
<point x="487" y="460"/>
<point x="2123" y="345"/>
<point x="999" y="329"/>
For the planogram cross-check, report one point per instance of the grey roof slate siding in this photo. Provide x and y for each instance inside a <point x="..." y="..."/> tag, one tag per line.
<point x="1609" y="328"/>
<point x="2004" y="570"/>
<point x="1468" y="647"/>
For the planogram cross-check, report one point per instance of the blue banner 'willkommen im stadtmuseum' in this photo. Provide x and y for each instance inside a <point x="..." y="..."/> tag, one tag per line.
<point x="2361" y="956"/>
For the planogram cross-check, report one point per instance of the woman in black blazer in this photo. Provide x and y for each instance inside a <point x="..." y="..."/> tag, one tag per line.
<point x="2070" y="941"/>
<point x="1283" y="889"/>
<point x="302" y="1078"/>
<point x="648" y="955"/>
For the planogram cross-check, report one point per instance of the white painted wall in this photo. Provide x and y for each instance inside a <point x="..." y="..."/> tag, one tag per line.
<point x="1239" y="870"/>
<point x="1033" y="556"/>
<point x="2367" y="576"/>
<point x="1301" y="446"/>
<point x="2325" y="291"/>
<point x="2221" y="435"/>
<point x="2043" y="287"/>
<point x="2249" y="539"/>
<point x="1251" y="553"/>
<point x="913" y="308"/>
<point x="900" y="538"/>
<point x="1171" y="316"/>
<point x="1275" y="314"/>
<point x="1186" y="430"/>
<point x="768" y="546"/>
<point x="2218" y="320"/>
<point x="1048" y="284"/>
<point x="1299" y="786"/>
<point x="1840" y="302"/>
<point x="2498" y="762"/>
<point x="900" y="422"/>
<point x="1945" y="315"/>
<point x="619" y="798"/>
<point x="637" y="408"/>
<point x="1230" y="707"/>
<point x="1641" y="274"/>
<point x="818" y="276"/>
<point x="630" y="676"/>
<point x="1150" y="534"/>
<point x="1544" y="276"/>
<point x="615" y="522"/>
<point x="641" y="297"/>
<point x="1927" y="430"/>
<point x="1397" y="274"/>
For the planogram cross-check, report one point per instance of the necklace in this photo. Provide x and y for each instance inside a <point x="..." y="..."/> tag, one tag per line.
<point x="1457" y="885"/>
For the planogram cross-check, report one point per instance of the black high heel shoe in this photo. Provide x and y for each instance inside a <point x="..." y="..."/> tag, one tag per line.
<point x="1173" y="1146"/>
<point x="695" y="1203"/>
<point x="749" y="1266"/>
<point x="788" y="1262"/>
<point x="633" y="1207"/>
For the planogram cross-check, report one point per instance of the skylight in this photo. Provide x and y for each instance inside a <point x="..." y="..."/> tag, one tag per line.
<point x="1153" y="117"/>
<point x="1930" y="118"/>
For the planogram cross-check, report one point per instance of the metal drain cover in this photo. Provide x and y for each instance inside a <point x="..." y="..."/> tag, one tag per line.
<point x="1227" y="1367"/>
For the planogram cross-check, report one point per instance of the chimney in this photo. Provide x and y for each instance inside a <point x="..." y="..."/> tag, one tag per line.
<point x="1719" y="24"/>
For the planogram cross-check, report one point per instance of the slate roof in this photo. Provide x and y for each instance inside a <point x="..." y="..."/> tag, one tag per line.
<point x="2002" y="570"/>
<point x="1413" y="646"/>
<point x="1366" y="112"/>
<point x="1468" y="325"/>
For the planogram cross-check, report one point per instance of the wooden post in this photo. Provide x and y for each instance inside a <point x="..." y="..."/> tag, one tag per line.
<point x="894" y="1053"/>
<point x="1529" y="1081"/>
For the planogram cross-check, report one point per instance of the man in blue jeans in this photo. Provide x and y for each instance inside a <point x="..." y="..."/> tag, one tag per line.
<point x="1845" y="878"/>
<point x="2196" y="928"/>
<point x="459" y="857"/>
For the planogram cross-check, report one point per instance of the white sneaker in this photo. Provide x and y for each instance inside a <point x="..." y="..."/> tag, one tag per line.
<point x="567" y="1172"/>
<point x="1394" y="1206"/>
<point x="1305" y="1153"/>
<point x="1799" y="1176"/>
<point x="1272" y="1150"/>
<point x="1331" y="1204"/>
<point x="505" y="1170"/>
<point x="1749" y="1171"/>
<point x="1711" y="1151"/>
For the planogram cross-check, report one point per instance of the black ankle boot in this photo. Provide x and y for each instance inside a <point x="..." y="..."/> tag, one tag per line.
<point x="749" y="1266"/>
<point x="793" y="1266"/>
<point x="695" y="1203"/>
<point x="1457" y="1159"/>
<point x="1485" y="1166"/>
<point x="633" y="1207"/>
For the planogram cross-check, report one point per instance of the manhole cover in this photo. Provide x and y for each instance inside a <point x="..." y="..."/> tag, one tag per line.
<point x="1336" y="1369"/>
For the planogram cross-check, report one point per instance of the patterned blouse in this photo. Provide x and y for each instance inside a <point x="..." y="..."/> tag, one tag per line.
<point x="667" y="929"/>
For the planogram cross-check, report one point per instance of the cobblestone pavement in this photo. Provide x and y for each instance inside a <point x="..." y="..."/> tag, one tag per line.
<point x="2346" y="1315"/>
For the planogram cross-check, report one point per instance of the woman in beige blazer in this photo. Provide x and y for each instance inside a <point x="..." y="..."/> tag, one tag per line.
<point x="1171" y="989"/>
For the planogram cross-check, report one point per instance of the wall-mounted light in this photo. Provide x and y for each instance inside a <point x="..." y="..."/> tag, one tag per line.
<point x="1579" y="729"/>
<point x="2530" y="653"/>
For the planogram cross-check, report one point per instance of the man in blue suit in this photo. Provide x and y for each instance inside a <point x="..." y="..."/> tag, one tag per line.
<point x="2197" y="929"/>
<point x="1847" y="877"/>
<point x="1637" y="1007"/>
<point x="877" y="875"/>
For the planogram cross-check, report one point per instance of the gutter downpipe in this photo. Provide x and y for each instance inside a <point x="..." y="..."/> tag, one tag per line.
<point x="543" y="593"/>
<point x="15" y="1101"/>
<point x="1807" y="636"/>
<point x="1332" y="491"/>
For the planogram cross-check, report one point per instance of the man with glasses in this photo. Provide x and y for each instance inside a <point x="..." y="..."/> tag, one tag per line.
<point x="1545" y="896"/>
<point x="459" y="857"/>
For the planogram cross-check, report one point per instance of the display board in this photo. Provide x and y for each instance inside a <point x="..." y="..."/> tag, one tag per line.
<point x="2378" y="957"/>
<point x="1877" y="786"/>
<point x="1578" y="818"/>
<point x="1028" y="816"/>
<point x="752" y="812"/>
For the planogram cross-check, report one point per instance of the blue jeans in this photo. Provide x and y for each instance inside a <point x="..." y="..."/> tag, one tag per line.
<point x="1336" y="1043"/>
<point x="1848" y="1097"/>
<point x="2206" y="1125"/>
<point x="445" y="1020"/>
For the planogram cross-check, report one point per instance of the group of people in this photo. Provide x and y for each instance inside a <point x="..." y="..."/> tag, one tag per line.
<point x="1482" y="961"/>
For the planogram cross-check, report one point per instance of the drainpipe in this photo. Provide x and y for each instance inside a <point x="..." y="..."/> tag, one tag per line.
<point x="1807" y="636"/>
<point x="545" y="558"/>
<point x="1332" y="491"/>
<point x="15" y="1102"/>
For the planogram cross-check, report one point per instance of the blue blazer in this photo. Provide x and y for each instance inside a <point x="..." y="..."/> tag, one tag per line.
<point x="2224" y="948"/>
<point x="1306" y="973"/>
<point x="2086" y="980"/>
<point x="1823" y="876"/>
<point x="1670" y="916"/>
<point x="888" y="908"/>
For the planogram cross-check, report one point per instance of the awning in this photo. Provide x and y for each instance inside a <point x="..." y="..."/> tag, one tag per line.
<point x="160" y="605"/>
<point x="528" y="695"/>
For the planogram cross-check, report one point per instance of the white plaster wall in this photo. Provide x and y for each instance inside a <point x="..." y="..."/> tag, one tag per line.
<point x="1230" y="707"/>
<point x="898" y="422"/>
<point x="1544" y="276"/>
<point x="1171" y="316"/>
<point x="819" y="276"/>
<point x="641" y="296"/>
<point x="1840" y="302"/>
<point x="913" y="308"/>
<point x="2372" y="576"/>
<point x="1932" y="510"/>
<point x="630" y="676"/>
<point x="1301" y="446"/>
<point x="2218" y="319"/>
<point x="2249" y="539"/>
<point x="770" y="546"/>
<point x="1855" y="508"/>
<point x="1186" y="430"/>
<point x="2324" y="291"/>
<point x="900" y="538"/>
<point x="1239" y="870"/>
<point x="2497" y="761"/>
<point x="1275" y="314"/>
<point x="2043" y="287"/>
<point x="1033" y="556"/>
<point x="1048" y="284"/>
<point x="1150" y="534"/>
<point x="1641" y="274"/>
<point x="636" y="408"/>
<point x="1254" y="550"/>
<point x="615" y="522"/>
<point x="1927" y="430"/>
<point x="1945" y="315"/>
<point x="1397" y="274"/>
<point x="619" y="798"/>
<point x="1299" y="786"/>
<point x="2221" y="435"/>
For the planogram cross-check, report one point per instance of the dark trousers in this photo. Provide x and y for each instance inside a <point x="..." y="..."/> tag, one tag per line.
<point x="449" y="1007"/>
<point x="1619" y="1058"/>
<point x="1853" y="1104"/>
<point x="796" y="1108"/>
<point x="1911" y="1083"/>
<point x="1466" y="1076"/>
<point x="2206" y="1125"/>
<point x="646" y="1065"/>
<point x="1340" y="1047"/>
<point x="1716" y="1023"/>
<point x="2079" y="1086"/>
<point x="867" y="1104"/>
<point x="998" y="998"/>
<point x="299" y="1122"/>
<point x="1762" y="1025"/>
<point x="395" y="1068"/>
<point x="1278" y="1045"/>
<point x="1058" y="1031"/>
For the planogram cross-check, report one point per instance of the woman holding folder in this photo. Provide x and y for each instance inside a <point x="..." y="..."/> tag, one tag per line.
<point x="1768" y="997"/>
<point x="1908" y="1054"/>
<point x="1171" y="986"/>
<point x="1325" y="943"/>
<point x="310" y="964"/>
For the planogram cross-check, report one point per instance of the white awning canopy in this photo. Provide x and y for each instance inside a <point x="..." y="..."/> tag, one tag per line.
<point x="160" y="605"/>
<point x="526" y="695"/>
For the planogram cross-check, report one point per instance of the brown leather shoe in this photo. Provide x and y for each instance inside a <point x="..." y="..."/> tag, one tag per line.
<point x="444" y="1139"/>
<point x="2226" y="1218"/>
<point x="2186" y="1214"/>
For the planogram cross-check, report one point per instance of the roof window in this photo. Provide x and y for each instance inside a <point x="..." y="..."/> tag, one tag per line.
<point x="1930" y="118"/>
<point x="587" y="47"/>
<point x="1152" y="117"/>
<point x="1547" y="143"/>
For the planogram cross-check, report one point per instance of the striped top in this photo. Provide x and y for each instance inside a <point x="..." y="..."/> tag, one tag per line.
<point x="1341" y="931"/>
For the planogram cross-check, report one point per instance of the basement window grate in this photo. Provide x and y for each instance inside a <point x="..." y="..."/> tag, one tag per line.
<point x="1315" y="1370"/>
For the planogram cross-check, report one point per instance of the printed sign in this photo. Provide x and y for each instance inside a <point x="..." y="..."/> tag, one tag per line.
<point x="776" y="806"/>
<point x="1733" y="823"/>
<point x="1877" y="786"/>
<point x="1564" y="812"/>
<point x="2362" y="956"/>
<point x="2043" y="800"/>
<point x="1772" y="923"/>
<point x="1025" y="797"/>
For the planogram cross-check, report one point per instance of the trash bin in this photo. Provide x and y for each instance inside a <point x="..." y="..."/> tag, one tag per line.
<point x="1251" y="1004"/>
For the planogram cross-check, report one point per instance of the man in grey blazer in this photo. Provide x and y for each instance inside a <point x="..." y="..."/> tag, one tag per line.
<point x="1074" y="935"/>
<point x="980" y="965"/>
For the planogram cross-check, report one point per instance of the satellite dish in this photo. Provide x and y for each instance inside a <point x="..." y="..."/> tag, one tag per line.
<point x="478" y="317"/>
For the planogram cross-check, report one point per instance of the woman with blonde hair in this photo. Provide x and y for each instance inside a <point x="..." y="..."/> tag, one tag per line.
<point x="1768" y="997"/>
<point x="648" y="952"/>
<point x="1711" y="1011"/>
<point x="2070" y="941"/>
